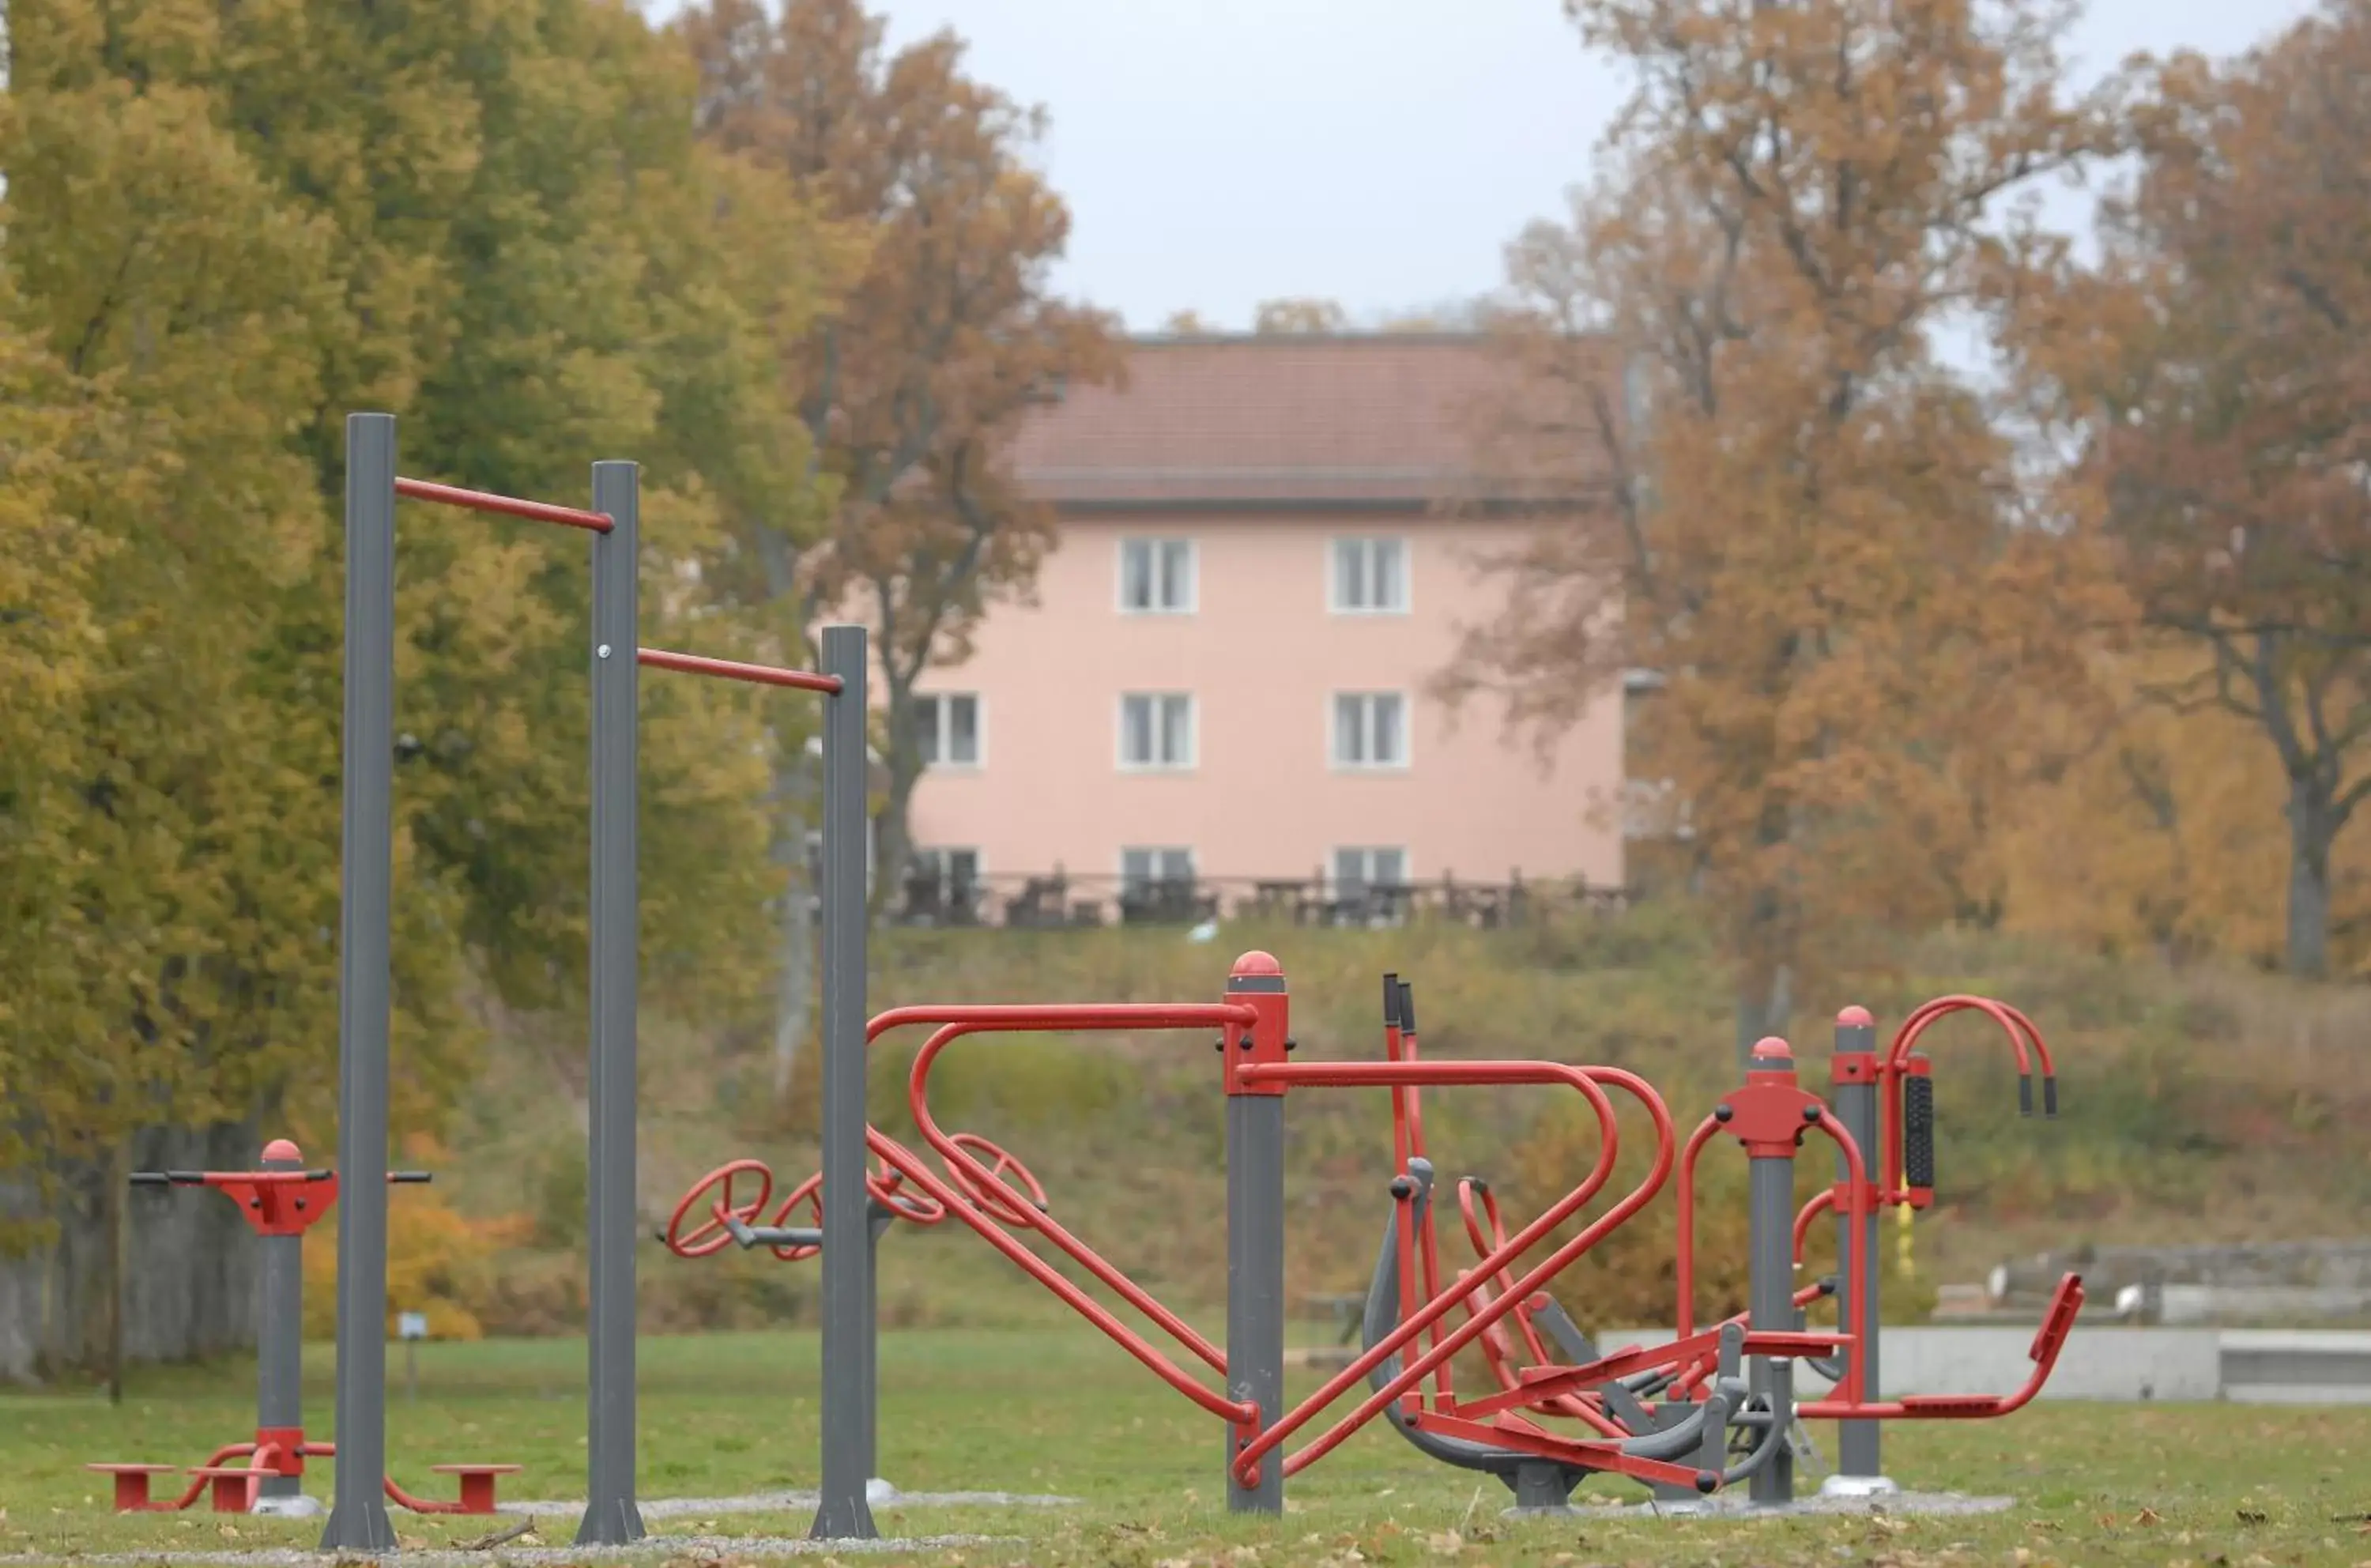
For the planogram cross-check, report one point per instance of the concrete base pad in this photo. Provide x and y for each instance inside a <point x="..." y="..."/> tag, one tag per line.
<point x="1738" y="1505"/>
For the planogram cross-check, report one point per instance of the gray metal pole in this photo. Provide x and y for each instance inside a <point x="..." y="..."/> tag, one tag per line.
<point x="280" y="1340"/>
<point x="611" y="1517"/>
<point x="1857" y="1256"/>
<point x="1771" y="1246"/>
<point x="878" y="1219"/>
<point x="1256" y="1270"/>
<point x="848" y="1422"/>
<point x="358" y="1519"/>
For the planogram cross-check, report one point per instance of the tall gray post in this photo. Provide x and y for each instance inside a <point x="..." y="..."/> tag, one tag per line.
<point x="879" y="1217"/>
<point x="1255" y="1269"/>
<point x="280" y="1342"/>
<point x="358" y="1519"/>
<point x="611" y="1517"/>
<point x="843" y="1513"/>
<point x="1858" y="1255"/>
<point x="1770" y="1218"/>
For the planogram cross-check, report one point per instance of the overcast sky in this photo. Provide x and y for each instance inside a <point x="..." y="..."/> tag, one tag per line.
<point x="1217" y="152"/>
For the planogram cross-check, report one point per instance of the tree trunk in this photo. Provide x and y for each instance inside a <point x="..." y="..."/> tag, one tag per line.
<point x="894" y="847"/>
<point x="794" y="987"/>
<point x="2313" y="824"/>
<point x="1765" y="1000"/>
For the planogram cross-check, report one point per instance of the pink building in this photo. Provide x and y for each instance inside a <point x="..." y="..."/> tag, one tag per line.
<point x="1223" y="674"/>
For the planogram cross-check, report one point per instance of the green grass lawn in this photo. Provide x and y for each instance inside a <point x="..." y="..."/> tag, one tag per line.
<point x="1061" y="1410"/>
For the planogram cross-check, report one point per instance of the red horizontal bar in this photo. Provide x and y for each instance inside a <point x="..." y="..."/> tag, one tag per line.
<point x="726" y="669"/>
<point x="508" y="506"/>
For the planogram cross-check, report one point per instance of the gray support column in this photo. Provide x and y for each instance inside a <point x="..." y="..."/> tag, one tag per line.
<point x="1770" y="1215"/>
<point x="611" y="1517"/>
<point x="1256" y="1282"/>
<point x="1857" y="1256"/>
<point x="878" y="1219"/>
<point x="358" y="1519"/>
<point x="847" y="1420"/>
<point x="280" y="1340"/>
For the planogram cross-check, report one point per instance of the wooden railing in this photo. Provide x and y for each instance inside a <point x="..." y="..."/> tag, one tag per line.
<point x="1063" y="898"/>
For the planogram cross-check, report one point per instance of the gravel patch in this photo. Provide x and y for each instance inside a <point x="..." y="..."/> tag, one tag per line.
<point x="1738" y="1504"/>
<point x="655" y="1549"/>
<point x="784" y="1501"/>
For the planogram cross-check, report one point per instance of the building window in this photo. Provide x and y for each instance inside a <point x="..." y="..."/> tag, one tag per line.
<point x="1371" y="577"/>
<point x="1156" y="576"/>
<point x="1356" y="870"/>
<point x="1140" y="870"/>
<point x="946" y="728"/>
<point x="944" y="886"/>
<point x="1371" y="730"/>
<point x="1156" y="730"/>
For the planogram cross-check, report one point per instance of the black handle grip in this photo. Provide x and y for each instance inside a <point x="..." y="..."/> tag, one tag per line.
<point x="2050" y="1094"/>
<point x="1391" y="1001"/>
<point x="410" y="1178"/>
<point x="2024" y="1094"/>
<point x="1918" y="1130"/>
<point x="151" y="1179"/>
<point x="186" y="1178"/>
<point x="1407" y="1008"/>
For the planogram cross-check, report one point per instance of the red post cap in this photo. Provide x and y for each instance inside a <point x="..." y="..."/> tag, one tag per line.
<point x="1256" y="962"/>
<point x="1770" y="1045"/>
<point x="281" y="1148"/>
<point x="1855" y="1018"/>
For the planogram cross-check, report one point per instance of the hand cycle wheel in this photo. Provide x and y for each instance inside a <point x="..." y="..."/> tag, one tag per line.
<point x="1011" y="1195"/>
<point x="882" y="1186"/>
<point x="712" y="1235"/>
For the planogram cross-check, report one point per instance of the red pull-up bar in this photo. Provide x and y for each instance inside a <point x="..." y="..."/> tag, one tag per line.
<point x="508" y="506"/>
<point x="726" y="669"/>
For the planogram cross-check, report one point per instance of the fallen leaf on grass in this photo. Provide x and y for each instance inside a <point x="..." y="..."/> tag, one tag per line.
<point x="2251" y="1515"/>
<point x="2145" y="1518"/>
<point x="1448" y="1543"/>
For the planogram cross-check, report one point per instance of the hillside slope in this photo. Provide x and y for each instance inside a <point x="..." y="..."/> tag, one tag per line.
<point x="2198" y="1106"/>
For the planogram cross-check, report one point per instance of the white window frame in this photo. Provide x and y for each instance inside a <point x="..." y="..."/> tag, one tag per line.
<point x="1192" y="734"/>
<point x="1155" y="542"/>
<point x="1407" y="863"/>
<point x="946" y="730"/>
<point x="1337" y="601"/>
<point x="979" y="862"/>
<point x="1193" y="868"/>
<point x="1333" y="757"/>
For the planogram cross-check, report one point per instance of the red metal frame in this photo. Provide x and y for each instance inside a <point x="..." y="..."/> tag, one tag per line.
<point x="506" y="505"/>
<point x="1588" y="1082"/>
<point x="731" y="669"/>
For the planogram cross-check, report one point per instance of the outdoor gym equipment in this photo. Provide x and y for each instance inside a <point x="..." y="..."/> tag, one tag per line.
<point x="280" y="1201"/>
<point x="1711" y="1408"/>
<point x="698" y="1229"/>
<point x="1689" y="1397"/>
<point x="358" y="1517"/>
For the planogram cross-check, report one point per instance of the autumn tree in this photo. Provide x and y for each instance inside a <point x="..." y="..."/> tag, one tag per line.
<point x="2211" y="375"/>
<point x="1760" y="482"/>
<point x="910" y="385"/>
<point x="1279" y="317"/>
<point x="225" y="229"/>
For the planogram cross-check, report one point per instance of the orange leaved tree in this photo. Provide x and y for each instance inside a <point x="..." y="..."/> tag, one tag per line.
<point x="2213" y="374"/>
<point x="1779" y="500"/>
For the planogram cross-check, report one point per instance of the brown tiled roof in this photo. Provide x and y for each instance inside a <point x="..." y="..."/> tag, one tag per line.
<point x="1296" y="421"/>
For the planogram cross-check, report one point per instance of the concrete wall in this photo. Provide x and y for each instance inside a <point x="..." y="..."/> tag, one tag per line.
<point x="2111" y="1362"/>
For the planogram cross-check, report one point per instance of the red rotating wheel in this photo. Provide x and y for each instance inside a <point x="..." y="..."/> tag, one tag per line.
<point x="712" y="1234"/>
<point x="884" y="1185"/>
<point x="1009" y="1181"/>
